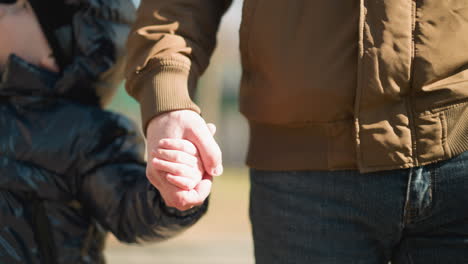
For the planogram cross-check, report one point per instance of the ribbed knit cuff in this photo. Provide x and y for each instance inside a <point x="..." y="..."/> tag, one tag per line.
<point x="163" y="88"/>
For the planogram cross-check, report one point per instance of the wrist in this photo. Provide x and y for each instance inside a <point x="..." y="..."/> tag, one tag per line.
<point x="162" y="87"/>
<point x="160" y="120"/>
<point x="174" y="212"/>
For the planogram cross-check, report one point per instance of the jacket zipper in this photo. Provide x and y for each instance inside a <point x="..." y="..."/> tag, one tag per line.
<point x="413" y="45"/>
<point x="360" y="77"/>
<point x="409" y="108"/>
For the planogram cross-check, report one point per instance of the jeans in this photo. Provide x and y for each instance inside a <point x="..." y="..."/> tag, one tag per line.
<point x="417" y="215"/>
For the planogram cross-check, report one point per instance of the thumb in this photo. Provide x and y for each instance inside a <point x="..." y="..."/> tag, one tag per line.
<point x="210" y="153"/>
<point x="204" y="187"/>
<point x="212" y="128"/>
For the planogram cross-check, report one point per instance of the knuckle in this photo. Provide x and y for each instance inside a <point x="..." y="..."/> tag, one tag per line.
<point x="191" y="184"/>
<point x="193" y="161"/>
<point x="192" y="150"/>
<point x="182" y="184"/>
<point x="177" y="157"/>
<point x="163" y="142"/>
<point x="160" y="152"/>
<point x="186" y="185"/>
<point x="179" y="145"/>
<point x="179" y="171"/>
<point x="193" y="173"/>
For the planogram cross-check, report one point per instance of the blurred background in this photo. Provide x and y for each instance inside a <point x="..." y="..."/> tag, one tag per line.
<point x="223" y="235"/>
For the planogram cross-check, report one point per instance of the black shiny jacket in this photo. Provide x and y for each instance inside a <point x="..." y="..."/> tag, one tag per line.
<point x="69" y="171"/>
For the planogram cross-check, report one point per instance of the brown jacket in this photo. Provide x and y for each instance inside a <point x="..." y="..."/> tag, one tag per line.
<point x="326" y="85"/>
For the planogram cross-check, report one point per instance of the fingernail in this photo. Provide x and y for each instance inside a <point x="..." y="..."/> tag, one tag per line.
<point x="217" y="171"/>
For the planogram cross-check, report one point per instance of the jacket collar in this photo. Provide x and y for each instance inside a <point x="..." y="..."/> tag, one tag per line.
<point x="22" y="78"/>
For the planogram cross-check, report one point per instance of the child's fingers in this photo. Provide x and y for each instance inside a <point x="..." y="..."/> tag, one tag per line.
<point x="176" y="156"/>
<point x="178" y="144"/>
<point x="181" y="181"/>
<point x="176" y="168"/>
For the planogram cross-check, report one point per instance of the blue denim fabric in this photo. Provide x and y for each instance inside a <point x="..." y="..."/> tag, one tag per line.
<point x="417" y="215"/>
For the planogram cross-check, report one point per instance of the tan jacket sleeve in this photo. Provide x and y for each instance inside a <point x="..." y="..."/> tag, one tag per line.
<point x="169" y="47"/>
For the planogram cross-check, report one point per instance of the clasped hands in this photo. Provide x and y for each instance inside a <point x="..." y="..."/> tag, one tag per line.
<point x="183" y="157"/>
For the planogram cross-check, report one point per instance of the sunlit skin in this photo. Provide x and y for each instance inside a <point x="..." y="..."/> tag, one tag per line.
<point x="22" y="35"/>
<point x="179" y="162"/>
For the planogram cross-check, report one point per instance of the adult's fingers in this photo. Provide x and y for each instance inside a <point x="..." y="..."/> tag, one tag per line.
<point x="208" y="149"/>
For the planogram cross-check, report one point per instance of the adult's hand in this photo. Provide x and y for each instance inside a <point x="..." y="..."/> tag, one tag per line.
<point x="185" y="125"/>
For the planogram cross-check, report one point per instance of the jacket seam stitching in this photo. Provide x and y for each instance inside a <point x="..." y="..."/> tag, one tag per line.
<point x="361" y="73"/>
<point x="408" y="104"/>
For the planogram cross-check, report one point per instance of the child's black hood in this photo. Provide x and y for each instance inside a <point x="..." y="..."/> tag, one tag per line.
<point x="52" y="17"/>
<point x="21" y="78"/>
<point x="88" y="39"/>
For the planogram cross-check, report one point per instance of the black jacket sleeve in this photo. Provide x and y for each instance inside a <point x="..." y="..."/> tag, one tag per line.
<point x="116" y="192"/>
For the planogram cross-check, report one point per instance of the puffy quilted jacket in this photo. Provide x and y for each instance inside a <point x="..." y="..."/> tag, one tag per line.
<point x="71" y="172"/>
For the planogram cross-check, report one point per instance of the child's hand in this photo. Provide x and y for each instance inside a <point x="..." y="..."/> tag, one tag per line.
<point x="179" y="159"/>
